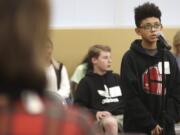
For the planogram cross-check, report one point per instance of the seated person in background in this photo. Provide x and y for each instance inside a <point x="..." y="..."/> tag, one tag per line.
<point x="176" y="46"/>
<point x="78" y="74"/>
<point x="24" y="109"/>
<point x="99" y="91"/>
<point x="56" y="74"/>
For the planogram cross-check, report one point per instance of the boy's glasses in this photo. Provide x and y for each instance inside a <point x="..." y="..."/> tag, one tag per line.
<point x="149" y="27"/>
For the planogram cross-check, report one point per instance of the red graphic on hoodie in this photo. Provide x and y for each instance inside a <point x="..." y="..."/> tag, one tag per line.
<point x="152" y="81"/>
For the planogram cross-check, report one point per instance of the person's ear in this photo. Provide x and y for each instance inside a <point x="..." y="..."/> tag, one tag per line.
<point x="138" y="31"/>
<point x="93" y="60"/>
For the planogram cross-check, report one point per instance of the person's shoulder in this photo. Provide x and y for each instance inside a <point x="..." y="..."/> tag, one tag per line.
<point x="134" y="49"/>
<point x="89" y="78"/>
<point x="81" y="66"/>
<point x="129" y="52"/>
<point x="116" y="75"/>
<point x="170" y="55"/>
<point x="85" y="79"/>
<point x="129" y="55"/>
<point x="80" y="69"/>
<point x="57" y="64"/>
<point x="112" y="74"/>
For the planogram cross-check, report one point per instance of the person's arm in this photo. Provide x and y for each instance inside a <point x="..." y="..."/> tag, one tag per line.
<point x="78" y="74"/>
<point x="134" y="108"/>
<point x="64" y="90"/>
<point x="120" y="109"/>
<point x="73" y="87"/>
<point x="82" y="96"/>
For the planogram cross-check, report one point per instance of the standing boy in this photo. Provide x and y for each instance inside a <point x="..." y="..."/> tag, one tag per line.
<point x="147" y="109"/>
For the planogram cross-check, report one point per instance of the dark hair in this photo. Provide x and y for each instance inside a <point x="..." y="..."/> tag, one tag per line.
<point x="94" y="52"/>
<point x="146" y="10"/>
<point x="23" y="32"/>
<point x="85" y="59"/>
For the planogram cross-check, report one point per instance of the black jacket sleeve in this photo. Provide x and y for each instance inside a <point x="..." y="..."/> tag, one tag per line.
<point x="82" y="96"/>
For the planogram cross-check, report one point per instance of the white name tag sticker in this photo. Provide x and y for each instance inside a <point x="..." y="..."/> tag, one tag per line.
<point x="166" y="67"/>
<point x="115" y="91"/>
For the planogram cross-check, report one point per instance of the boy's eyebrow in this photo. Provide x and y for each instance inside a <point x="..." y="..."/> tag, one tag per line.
<point x="151" y="23"/>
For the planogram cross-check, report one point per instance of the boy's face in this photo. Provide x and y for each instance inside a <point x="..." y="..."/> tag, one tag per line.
<point x="103" y="62"/>
<point x="149" y="28"/>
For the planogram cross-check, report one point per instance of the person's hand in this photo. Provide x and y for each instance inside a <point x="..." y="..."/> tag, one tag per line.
<point x="102" y="114"/>
<point x="157" y="130"/>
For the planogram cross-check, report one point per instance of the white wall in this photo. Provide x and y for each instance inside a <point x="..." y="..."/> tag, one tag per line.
<point x="107" y="13"/>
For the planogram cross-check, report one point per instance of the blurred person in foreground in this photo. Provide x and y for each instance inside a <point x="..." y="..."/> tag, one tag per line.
<point x="23" y="108"/>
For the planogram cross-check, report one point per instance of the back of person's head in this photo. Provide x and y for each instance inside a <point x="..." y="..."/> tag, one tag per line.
<point x="146" y="10"/>
<point x="94" y="52"/>
<point x="176" y="42"/>
<point x="23" y="32"/>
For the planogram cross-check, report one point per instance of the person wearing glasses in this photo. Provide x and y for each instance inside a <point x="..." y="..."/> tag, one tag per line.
<point x="141" y="78"/>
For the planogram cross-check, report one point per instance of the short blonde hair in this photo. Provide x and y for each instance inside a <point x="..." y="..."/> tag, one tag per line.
<point x="94" y="52"/>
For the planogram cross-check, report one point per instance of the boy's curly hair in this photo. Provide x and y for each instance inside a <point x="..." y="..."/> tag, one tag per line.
<point x="146" y="10"/>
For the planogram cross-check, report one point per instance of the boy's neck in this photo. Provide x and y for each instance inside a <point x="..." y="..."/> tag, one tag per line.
<point x="148" y="45"/>
<point x="99" y="72"/>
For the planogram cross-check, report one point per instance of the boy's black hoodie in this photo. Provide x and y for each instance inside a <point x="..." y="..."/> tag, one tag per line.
<point x="141" y="82"/>
<point x="100" y="93"/>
